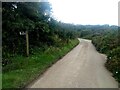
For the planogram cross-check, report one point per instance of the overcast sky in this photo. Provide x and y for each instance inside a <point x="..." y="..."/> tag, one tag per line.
<point x="86" y="11"/>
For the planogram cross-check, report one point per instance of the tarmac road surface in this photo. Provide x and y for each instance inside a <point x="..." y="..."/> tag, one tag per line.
<point x="82" y="67"/>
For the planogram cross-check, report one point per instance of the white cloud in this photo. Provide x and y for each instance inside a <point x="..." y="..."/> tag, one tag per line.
<point x="86" y="11"/>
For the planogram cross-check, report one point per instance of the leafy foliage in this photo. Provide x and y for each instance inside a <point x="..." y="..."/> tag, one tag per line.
<point x="106" y="40"/>
<point x="35" y="18"/>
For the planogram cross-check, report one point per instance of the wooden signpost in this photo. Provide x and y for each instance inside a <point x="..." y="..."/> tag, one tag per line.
<point x="27" y="44"/>
<point x="27" y="41"/>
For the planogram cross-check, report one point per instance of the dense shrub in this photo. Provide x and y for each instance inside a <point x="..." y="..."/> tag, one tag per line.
<point x="108" y="44"/>
<point x="35" y="18"/>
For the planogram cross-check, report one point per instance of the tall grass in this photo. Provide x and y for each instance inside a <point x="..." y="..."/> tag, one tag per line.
<point x="23" y="70"/>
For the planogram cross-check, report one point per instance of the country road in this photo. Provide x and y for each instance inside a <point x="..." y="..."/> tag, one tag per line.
<point x="82" y="67"/>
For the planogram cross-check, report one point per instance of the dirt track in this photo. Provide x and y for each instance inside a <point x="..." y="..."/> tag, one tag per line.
<point x="83" y="67"/>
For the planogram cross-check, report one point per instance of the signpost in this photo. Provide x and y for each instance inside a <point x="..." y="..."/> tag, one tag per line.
<point x="27" y="42"/>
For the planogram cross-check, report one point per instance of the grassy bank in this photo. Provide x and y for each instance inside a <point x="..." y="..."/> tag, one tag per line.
<point x="26" y="69"/>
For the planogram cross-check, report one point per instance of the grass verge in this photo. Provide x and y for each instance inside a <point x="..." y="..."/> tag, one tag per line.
<point x="26" y="69"/>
